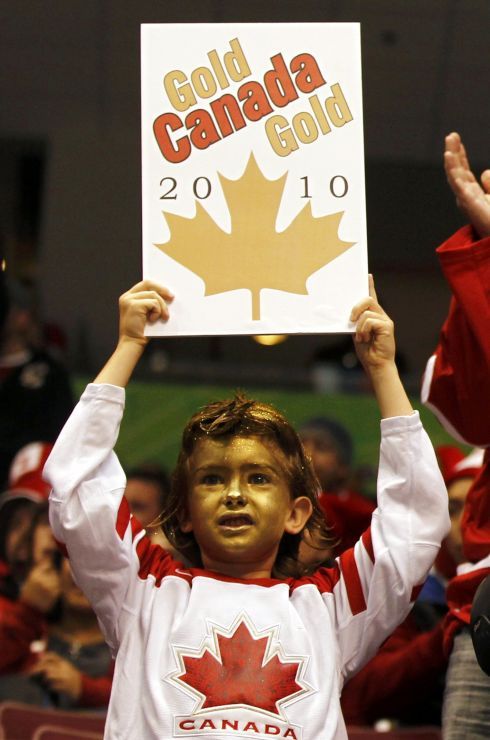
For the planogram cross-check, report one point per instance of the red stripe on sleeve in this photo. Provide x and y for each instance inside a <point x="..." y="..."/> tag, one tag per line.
<point x="136" y="526"/>
<point x="352" y="580"/>
<point x="123" y="516"/>
<point x="61" y="548"/>
<point x="157" y="562"/>
<point x="415" y="592"/>
<point x="367" y="541"/>
<point x="325" y="579"/>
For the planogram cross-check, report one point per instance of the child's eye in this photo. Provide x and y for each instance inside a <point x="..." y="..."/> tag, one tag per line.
<point x="211" y="479"/>
<point x="258" y="479"/>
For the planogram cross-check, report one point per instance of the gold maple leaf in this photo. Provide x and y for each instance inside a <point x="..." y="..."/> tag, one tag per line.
<point x="254" y="255"/>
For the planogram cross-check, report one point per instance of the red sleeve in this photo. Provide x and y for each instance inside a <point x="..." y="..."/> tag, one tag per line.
<point x="456" y="387"/>
<point x="20" y="625"/>
<point x="96" y="692"/>
<point x="466" y="266"/>
<point x="398" y="677"/>
<point x="456" y="383"/>
<point x="475" y="524"/>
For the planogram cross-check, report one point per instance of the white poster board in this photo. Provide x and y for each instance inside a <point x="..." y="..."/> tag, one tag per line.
<point x="253" y="176"/>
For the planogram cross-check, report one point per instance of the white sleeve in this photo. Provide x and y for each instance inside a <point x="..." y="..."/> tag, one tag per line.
<point x="88" y="513"/>
<point x="378" y="579"/>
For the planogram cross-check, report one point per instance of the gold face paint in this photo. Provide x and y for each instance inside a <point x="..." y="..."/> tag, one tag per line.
<point x="239" y="502"/>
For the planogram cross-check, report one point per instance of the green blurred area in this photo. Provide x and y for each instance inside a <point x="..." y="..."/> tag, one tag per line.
<point x="156" y="413"/>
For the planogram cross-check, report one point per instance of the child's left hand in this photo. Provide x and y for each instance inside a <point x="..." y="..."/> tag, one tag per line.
<point x="374" y="339"/>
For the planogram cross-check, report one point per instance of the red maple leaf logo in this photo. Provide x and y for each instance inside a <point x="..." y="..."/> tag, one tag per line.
<point x="238" y="674"/>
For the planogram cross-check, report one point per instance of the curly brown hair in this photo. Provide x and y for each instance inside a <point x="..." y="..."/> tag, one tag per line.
<point x="245" y="417"/>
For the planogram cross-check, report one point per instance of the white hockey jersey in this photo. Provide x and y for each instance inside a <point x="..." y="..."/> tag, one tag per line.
<point x="203" y="655"/>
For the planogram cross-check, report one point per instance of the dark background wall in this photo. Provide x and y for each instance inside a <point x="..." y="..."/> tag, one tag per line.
<point x="70" y="154"/>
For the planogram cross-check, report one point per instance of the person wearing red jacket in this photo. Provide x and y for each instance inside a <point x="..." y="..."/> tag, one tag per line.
<point x="456" y="386"/>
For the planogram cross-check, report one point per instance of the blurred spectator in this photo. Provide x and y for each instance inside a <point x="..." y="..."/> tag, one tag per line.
<point x="404" y="682"/>
<point x="329" y="446"/>
<point x="75" y="668"/>
<point x="459" y="472"/>
<point x="35" y="394"/>
<point x="146" y="488"/>
<point x="26" y="490"/>
<point x="480" y="625"/>
<point x="53" y="653"/>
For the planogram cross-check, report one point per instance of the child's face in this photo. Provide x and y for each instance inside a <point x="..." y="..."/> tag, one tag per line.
<point x="239" y="504"/>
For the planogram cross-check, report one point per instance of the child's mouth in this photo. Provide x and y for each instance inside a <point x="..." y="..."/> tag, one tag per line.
<point x="235" y="521"/>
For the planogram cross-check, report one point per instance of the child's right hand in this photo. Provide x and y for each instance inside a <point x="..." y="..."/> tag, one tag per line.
<point x="144" y="302"/>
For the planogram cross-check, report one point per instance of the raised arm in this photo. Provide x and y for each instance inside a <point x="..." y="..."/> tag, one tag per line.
<point x="88" y="511"/>
<point x="379" y="578"/>
<point x="375" y="346"/>
<point x="456" y="386"/>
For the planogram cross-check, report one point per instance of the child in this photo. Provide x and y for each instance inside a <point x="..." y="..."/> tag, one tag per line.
<point x="225" y="649"/>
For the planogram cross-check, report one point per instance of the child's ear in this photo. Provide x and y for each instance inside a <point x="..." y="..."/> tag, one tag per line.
<point x="300" y="512"/>
<point x="185" y="523"/>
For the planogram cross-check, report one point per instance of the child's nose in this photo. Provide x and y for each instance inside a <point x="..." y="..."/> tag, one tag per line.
<point x="235" y="497"/>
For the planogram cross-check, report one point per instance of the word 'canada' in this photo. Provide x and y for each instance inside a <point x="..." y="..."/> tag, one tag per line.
<point x="252" y="102"/>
